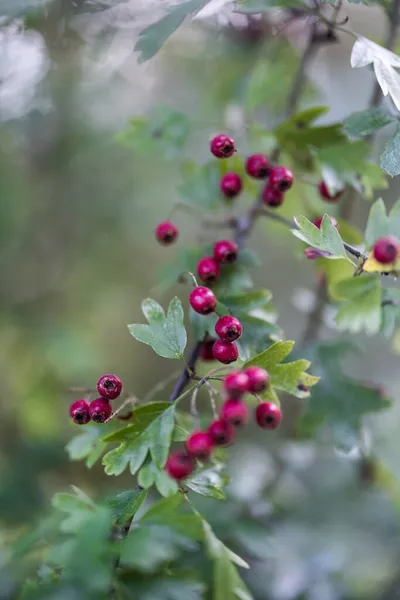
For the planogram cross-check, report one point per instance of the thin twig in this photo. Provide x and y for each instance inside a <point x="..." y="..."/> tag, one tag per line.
<point x="212" y="392"/>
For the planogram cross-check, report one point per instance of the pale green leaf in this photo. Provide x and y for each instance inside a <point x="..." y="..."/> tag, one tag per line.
<point x="327" y="238"/>
<point x="126" y="504"/>
<point x="362" y="310"/>
<point x="367" y="122"/>
<point x="390" y="158"/>
<point x="377" y="225"/>
<point x="208" y="482"/>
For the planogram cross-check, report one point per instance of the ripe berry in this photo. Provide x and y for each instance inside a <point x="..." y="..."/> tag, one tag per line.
<point x="202" y="300"/>
<point x="228" y="328"/>
<point x="281" y="178"/>
<point x="272" y="197"/>
<point x="208" y="269"/>
<point x="199" y="445"/>
<point x="226" y="252"/>
<point x="268" y="415"/>
<point x="325" y="193"/>
<point x="225" y="352"/>
<point x="206" y="352"/>
<point x="236" y="384"/>
<point x="235" y="412"/>
<point x="222" y="146"/>
<point x="109" y="387"/>
<point x="258" y="380"/>
<point x="231" y="185"/>
<point x="386" y="250"/>
<point x="317" y="222"/>
<point x="221" y="432"/>
<point x="166" y="233"/>
<point x="79" y="412"/>
<point x="257" y="166"/>
<point x="100" y="410"/>
<point x="179" y="465"/>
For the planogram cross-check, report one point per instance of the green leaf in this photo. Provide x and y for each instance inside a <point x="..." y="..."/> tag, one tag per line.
<point x="216" y="548"/>
<point x="152" y="38"/>
<point x="390" y="158"/>
<point x="201" y="184"/>
<point x="87" y="445"/>
<point x="202" y="324"/>
<point x="248" y="301"/>
<point x="126" y="504"/>
<point x="165" y="485"/>
<point x="327" y="238"/>
<point x="298" y="133"/>
<point x="378" y="223"/>
<point x="186" y="260"/>
<point x="166" y="586"/>
<point x="163" y="509"/>
<point x="346" y="158"/>
<point x="159" y="436"/>
<point x="235" y="279"/>
<point x="367" y="122"/>
<point x="77" y="506"/>
<point x="142" y="417"/>
<point x="165" y="334"/>
<point x="390" y="311"/>
<point x="228" y="585"/>
<point x="208" y="482"/>
<point x="255" y="7"/>
<point x="362" y="311"/>
<point x="146" y="475"/>
<point x="128" y="453"/>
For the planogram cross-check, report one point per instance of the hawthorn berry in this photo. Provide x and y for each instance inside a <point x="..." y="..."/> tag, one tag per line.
<point x="228" y="328"/>
<point x="179" y="465"/>
<point x="166" y="233"/>
<point x="231" y="185"/>
<point x="257" y="379"/>
<point x="236" y="384"/>
<point x="325" y="193"/>
<point x="100" y="410"/>
<point x="109" y="386"/>
<point x="208" y="269"/>
<point x="225" y="352"/>
<point x="386" y="250"/>
<point x="268" y="415"/>
<point x="272" y="197"/>
<point x="317" y="222"/>
<point x="226" y="252"/>
<point x="206" y="351"/>
<point x="235" y="412"/>
<point x="221" y="432"/>
<point x="280" y="178"/>
<point x="202" y="300"/>
<point x="79" y="412"/>
<point x="222" y="146"/>
<point x="257" y="166"/>
<point x="199" y="445"/>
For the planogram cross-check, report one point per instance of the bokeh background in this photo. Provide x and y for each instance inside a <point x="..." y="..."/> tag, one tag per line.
<point x="78" y="206"/>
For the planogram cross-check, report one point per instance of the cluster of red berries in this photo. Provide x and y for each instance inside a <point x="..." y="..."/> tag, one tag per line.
<point x="228" y="329"/>
<point x="233" y="413"/>
<point x="98" y="410"/>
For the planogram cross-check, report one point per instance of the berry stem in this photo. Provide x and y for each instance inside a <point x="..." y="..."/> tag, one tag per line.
<point x="191" y="276"/>
<point x="131" y="401"/>
<point x="212" y="392"/>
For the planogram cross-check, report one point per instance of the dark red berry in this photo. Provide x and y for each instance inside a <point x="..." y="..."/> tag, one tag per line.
<point x="79" y="412"/>
<point x="208" y="269"/>
<point x="166" y="233"/>
<point x="222" y="146"/>
<point x="226" y="252"/>
<point x="100" y="410"/>
<point x="258" y="380"/>
<point x="236" y="384"/>
<point x="257" y="166"/>
<point x="221" y="432"/>
<point x="180" y="465"/>
<point x="206" y="352"/>
<point x="317" y="222"/>
<point x="202" y="300"/>
<point x="272" y="197"/>
<point x="225" y="352"/>
<point x="235" y="412"/>
<point x="228" y="328"/>
<point x="199" y="445"/>
<point x="109" y="387"/>
<point x="268" y="415"/>
<point x="386" y="250"/>
<point x="281" y="178"/>
<point x="231" y="185"/>
<point x="325" y="193"/>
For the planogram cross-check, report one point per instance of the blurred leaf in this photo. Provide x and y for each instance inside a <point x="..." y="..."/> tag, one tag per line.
<point x="297" y="132"/>
<point x="202" y="324"/>
<point x="327" y="238"/>
<point x="255" y="7"/>
<point x="201" y="184"/>
<point x="369" y="179"/>
<point x="390" y="158"/>
<point x="248" y="258"/>
<point x="163" y="509"/>
<point x="165" y="334"/>
<point x="248" y="301"/>
<point x="14" y="8"/>
<point x="362" y="311"/>
<point x="77" y="506"/>
<point x="126" y="504"/>
<point x="380" y="224"/>
<point x="227" y="583"/>
<point x="345" y="157"/>
<point x="367" y="122"/>
<point x="186" y="260"/>
<point x="216" y="549"/>
<point x="234" y="279"/>
<point x="87" y="445"/>
<point x="208" y="482"/>
<point x="178" y="586"/>
<point x="390" y="311"/>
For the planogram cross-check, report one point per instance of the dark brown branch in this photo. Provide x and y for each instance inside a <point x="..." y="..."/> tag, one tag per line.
<point x="187" y="372"/>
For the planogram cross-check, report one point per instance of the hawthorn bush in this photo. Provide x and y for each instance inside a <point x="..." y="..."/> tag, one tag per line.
<point x="325" y="525"/>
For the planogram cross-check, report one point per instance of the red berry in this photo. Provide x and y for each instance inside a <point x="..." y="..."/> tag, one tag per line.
<point x="325" y="193"/>
<point x="268" y="415"/>
<point x="179" y="465"/>
<point x="317" y="222"/>
<point x="281" y="178"/>
<point x="386" y="250"/>
<point x="206" y="352"/>
<point x="228" y="328"/>
<point x="231" y="185"/>
<point x="222" y="146"/>
<point x="236" y="384"/>
<point x="79" y="412"/>
<point x="208" y="269"/>
<point x="226" y="252"/>
<point x="202" y="300"/>
<point x="109" y="387"/>
<point x="235" y="412"/>
<point x="258" y="380"/>
<point x="199" y="445"/>
<point x="272" y="197"/>
<point x="225" y="352"/>
<point x="166" y="233"/>
<point x="99" y="410"/>
<point x="221" y="432"/>
<point x="257" y="166"/>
